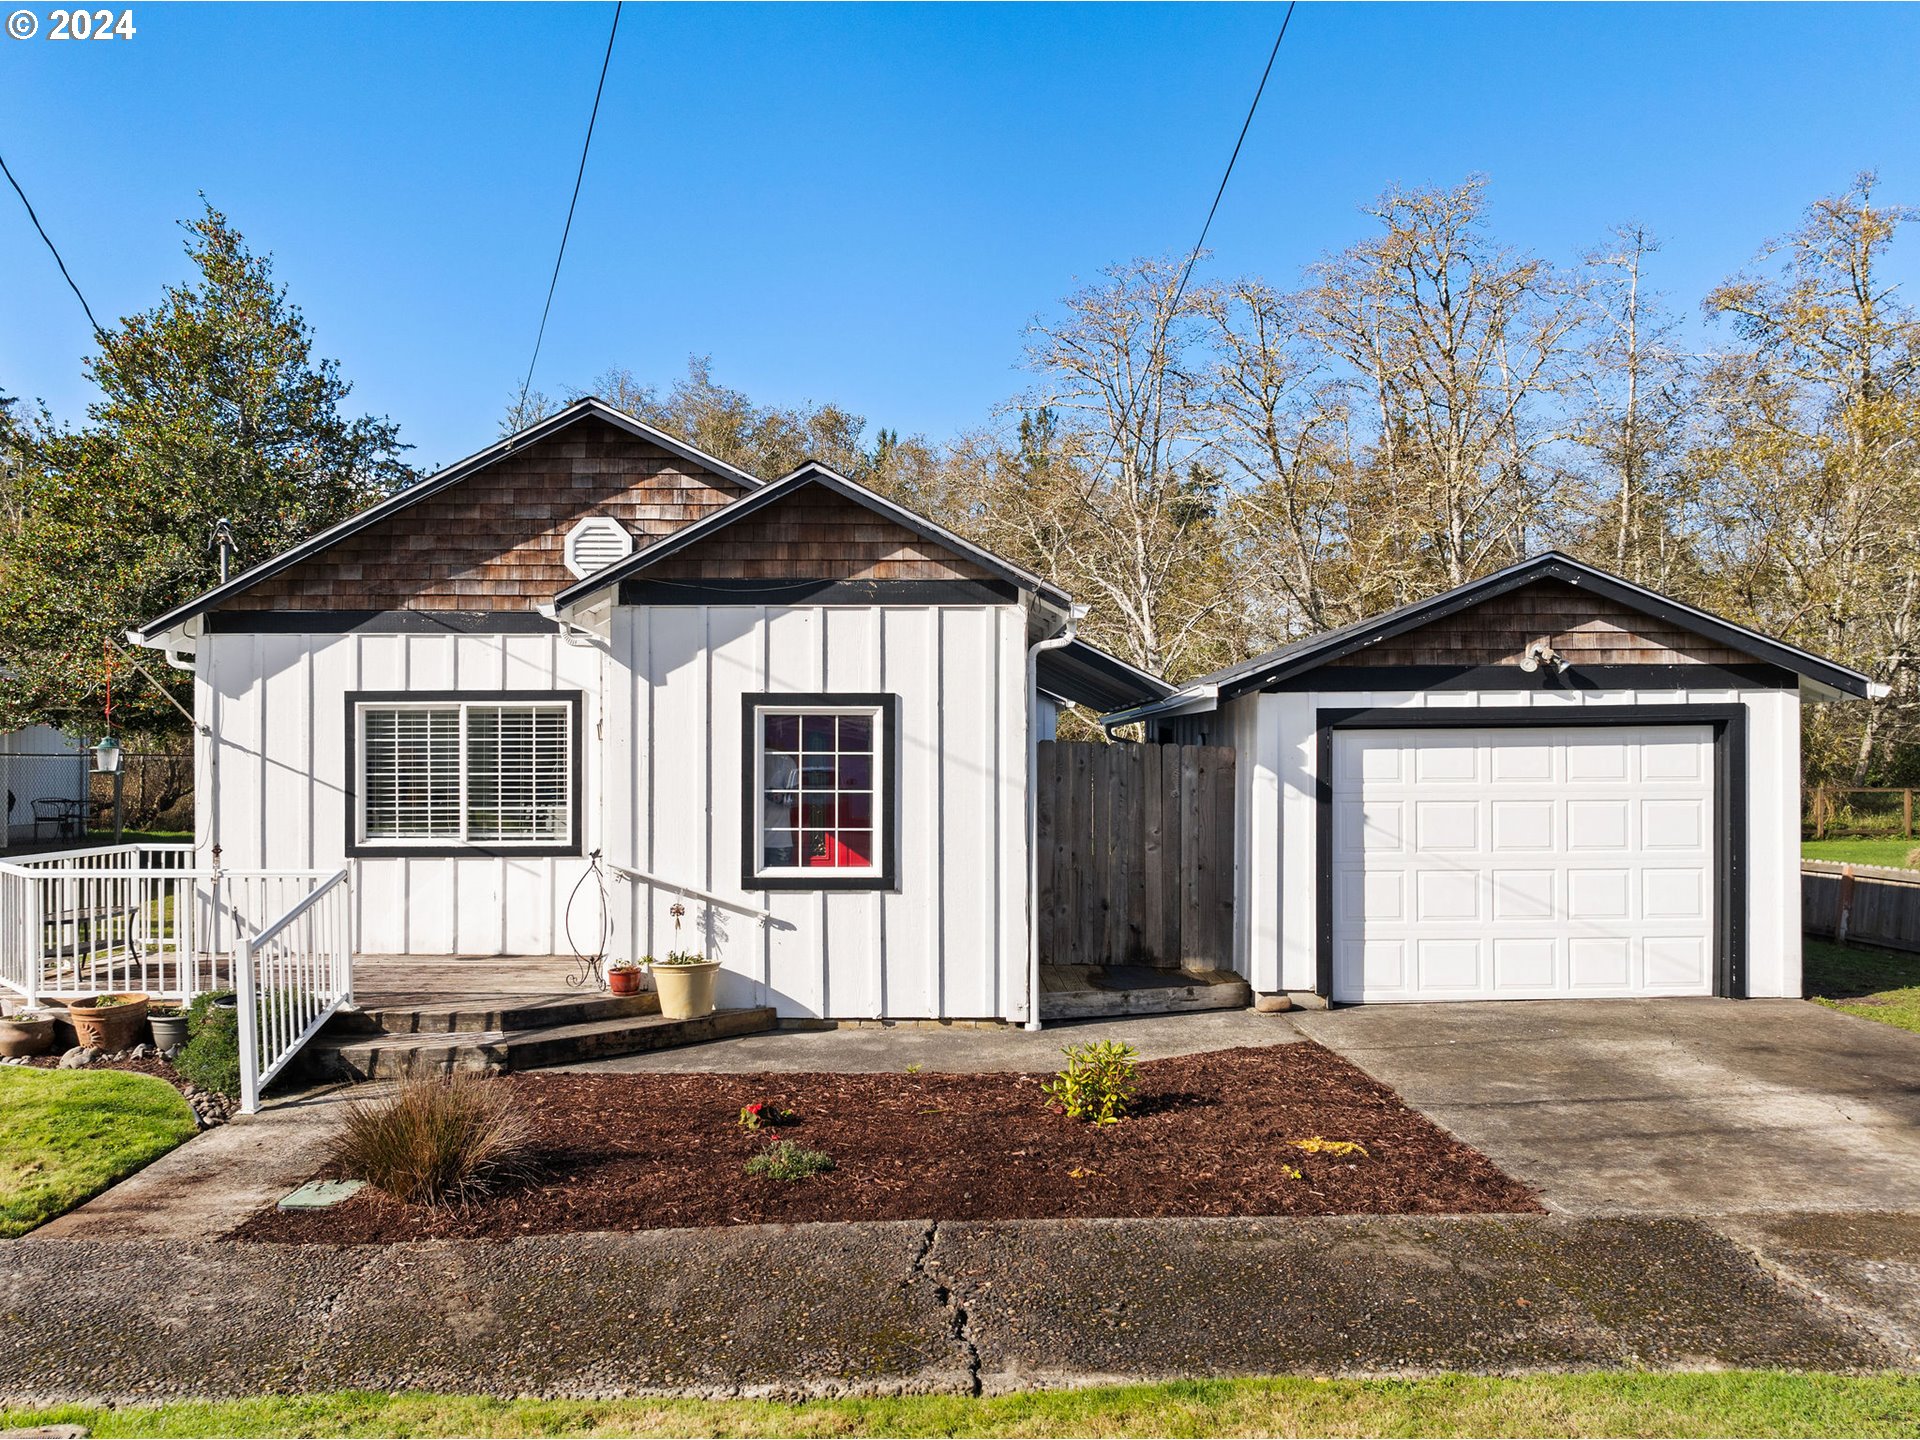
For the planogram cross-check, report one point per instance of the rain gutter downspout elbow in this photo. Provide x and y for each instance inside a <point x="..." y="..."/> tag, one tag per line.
<point x="1062" y="637"/>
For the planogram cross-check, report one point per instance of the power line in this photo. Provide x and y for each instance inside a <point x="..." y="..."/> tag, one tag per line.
<point x="527" y="384"/>
<point x="98" y="332"/>
<point x="1246" y="125"/>
<point x="1193" y="255"/>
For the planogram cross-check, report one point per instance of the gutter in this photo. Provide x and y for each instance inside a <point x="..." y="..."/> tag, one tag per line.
<point x="1061" y="637"/>
<point x="1193" y="699"/>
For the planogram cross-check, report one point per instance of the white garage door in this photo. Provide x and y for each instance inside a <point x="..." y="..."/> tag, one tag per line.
<point x="1522" y="864"/>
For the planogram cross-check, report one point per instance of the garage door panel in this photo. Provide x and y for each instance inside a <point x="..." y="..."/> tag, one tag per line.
<point x="1523" y="826"/>
<point x="1673" y="894"/>
<point x="1441" y="825"/>
<point x="1672" y="759"/>
<point x="1596" y="760"/>
<point x="1443" y="895"/>
<point x="1363" y="895"/>
<point x="1549" y="872"/>
<point x="1673" y="824"/>
<point x="1678" y="961"/>
<point x="1523" y="894"/>
<point x="1598" y="824"/>
<point x="1447" y="764"/>
<point x="1448" y="965"/>
<point x="1526" y="965"/>
<point x="1599" y="894"/>
<point x="1600" y="963"/>
<point x="1521" y="760"/>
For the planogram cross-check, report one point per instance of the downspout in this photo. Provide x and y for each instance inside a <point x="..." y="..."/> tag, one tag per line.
<point x="1063" y="636"/>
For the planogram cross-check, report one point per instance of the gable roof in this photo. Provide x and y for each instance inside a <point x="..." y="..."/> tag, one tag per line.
<point x="588" y="407"/>
<point x="810" y="474"/>
<point x="1088" y="675"/>
<point x="1209" y="691"/>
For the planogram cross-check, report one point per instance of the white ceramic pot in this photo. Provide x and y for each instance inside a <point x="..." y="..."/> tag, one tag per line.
<point x="686" y="991"/>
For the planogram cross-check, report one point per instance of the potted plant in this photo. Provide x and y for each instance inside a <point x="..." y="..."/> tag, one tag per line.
<point x="108" y="1022"/>
<point x="26" y="1032"/>
<point x="685" y="982"/>
<point x="623" y="977"/>
<point x="684" y="979"/>
<point x="169" y="1023"/>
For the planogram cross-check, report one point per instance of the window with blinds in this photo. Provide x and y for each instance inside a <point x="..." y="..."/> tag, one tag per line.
<point x="466" y="773"/>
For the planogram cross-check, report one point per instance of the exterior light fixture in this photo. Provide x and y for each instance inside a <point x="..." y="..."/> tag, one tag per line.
<point x="1541" y="653"/>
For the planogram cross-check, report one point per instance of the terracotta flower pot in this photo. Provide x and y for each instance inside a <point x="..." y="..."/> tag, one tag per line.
<point x="108" y="1022"/>
<point x="20" y="1037"/>
<point x="686" y="991"/>
<point x="624" y="982"/>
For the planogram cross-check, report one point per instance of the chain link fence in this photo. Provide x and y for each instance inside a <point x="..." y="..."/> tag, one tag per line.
<point x="55" y="797"/>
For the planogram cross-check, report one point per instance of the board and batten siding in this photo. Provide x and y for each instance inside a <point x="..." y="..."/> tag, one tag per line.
<point x="949" y="941"/>
<point x="1275" y="737"/>
<point x="280" y="764"/>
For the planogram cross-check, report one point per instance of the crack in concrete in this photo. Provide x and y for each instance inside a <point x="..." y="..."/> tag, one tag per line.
<point x="959" y="1321"/>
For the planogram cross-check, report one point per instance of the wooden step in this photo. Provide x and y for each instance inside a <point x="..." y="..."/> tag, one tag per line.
<point x="396" y="1056"/>
<point x="529" y="1012"/>
<point x="1061" y="998"/>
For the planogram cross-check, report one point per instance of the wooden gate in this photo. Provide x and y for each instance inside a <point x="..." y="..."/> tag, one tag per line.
<point x="1135" y="855"/>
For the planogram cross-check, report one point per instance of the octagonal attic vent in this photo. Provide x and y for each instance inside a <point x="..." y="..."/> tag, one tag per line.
<point x="595" y="543"/>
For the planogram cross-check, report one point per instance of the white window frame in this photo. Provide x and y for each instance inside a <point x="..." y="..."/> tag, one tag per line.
<point x="879" y="874"/>
<point x="568" y="702"/>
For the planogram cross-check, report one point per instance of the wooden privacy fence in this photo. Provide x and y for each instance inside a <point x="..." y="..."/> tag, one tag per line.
<point x="1135" y="854"/>
<point x="1861" y="902"/>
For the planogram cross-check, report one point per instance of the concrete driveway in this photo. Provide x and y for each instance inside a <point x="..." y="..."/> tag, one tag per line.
<point x="1695" y="1107"/>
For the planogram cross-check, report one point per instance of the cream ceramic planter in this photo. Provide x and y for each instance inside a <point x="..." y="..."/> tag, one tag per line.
<point x="686" y="991"/>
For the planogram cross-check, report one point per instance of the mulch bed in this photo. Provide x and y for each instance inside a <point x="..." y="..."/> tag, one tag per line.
<point x="151" y="1065"/>
<point x="1210" y="1136"/>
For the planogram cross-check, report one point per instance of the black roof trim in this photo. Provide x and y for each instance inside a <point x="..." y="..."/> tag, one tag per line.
<point x="1317" y="650"/>
<point x="1088" y="675"/>
<point x="811" y="473"/>
<point x="583" y="408"/>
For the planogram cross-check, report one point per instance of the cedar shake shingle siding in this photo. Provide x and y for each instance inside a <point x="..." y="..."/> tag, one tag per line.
<point x="815" y="535"/>
<point x="1584" y="627"/>
<point x="495" y="540"/>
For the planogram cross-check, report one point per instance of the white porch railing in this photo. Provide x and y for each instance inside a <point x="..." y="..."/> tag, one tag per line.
<point x="289" y="977"/>
<point x="143" y="919"/>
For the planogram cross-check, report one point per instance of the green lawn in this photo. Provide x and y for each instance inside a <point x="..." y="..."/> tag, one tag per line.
<point x="68" y="1134"/>
<point x="1875" y="984"/>
<point x="1860" y="852"/>
<point x="1721" y="1403"/>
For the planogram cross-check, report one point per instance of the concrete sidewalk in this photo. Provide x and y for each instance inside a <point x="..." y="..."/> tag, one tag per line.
<point x="909" y="1307"/>
<point x="213" y="1182"/>
<point x="960" y="1049"/>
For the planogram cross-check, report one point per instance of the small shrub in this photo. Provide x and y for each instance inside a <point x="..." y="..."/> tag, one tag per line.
<point x="764" y="1115"/>
<point x="211" y="1056"/>
<point x="787" y="1161"/>
<point x="1098" y="1083"/>
<point x="440" y="1140"/>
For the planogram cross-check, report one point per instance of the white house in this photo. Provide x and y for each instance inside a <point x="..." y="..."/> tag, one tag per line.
<point x="795" y="709"/>
<point x="591" y="656"/>
<point x="1547" y="783"/>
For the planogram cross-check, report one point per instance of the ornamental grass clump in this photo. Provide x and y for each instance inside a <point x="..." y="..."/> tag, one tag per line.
<point x="437" y="1141"/>
<point x="1099" y="1082"/>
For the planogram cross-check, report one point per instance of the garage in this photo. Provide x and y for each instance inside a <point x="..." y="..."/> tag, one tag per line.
<point x="1523" y="864"/>
<point x="1548" y="783"/>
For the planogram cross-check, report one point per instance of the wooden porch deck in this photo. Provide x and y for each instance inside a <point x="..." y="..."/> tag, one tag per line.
<point x="409" y="982"/>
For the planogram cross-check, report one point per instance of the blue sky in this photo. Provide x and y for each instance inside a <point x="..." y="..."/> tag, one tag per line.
<point x="866" y="203"/>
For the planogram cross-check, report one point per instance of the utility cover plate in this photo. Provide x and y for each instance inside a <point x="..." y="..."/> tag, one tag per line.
<point x="321" y="1194"/>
